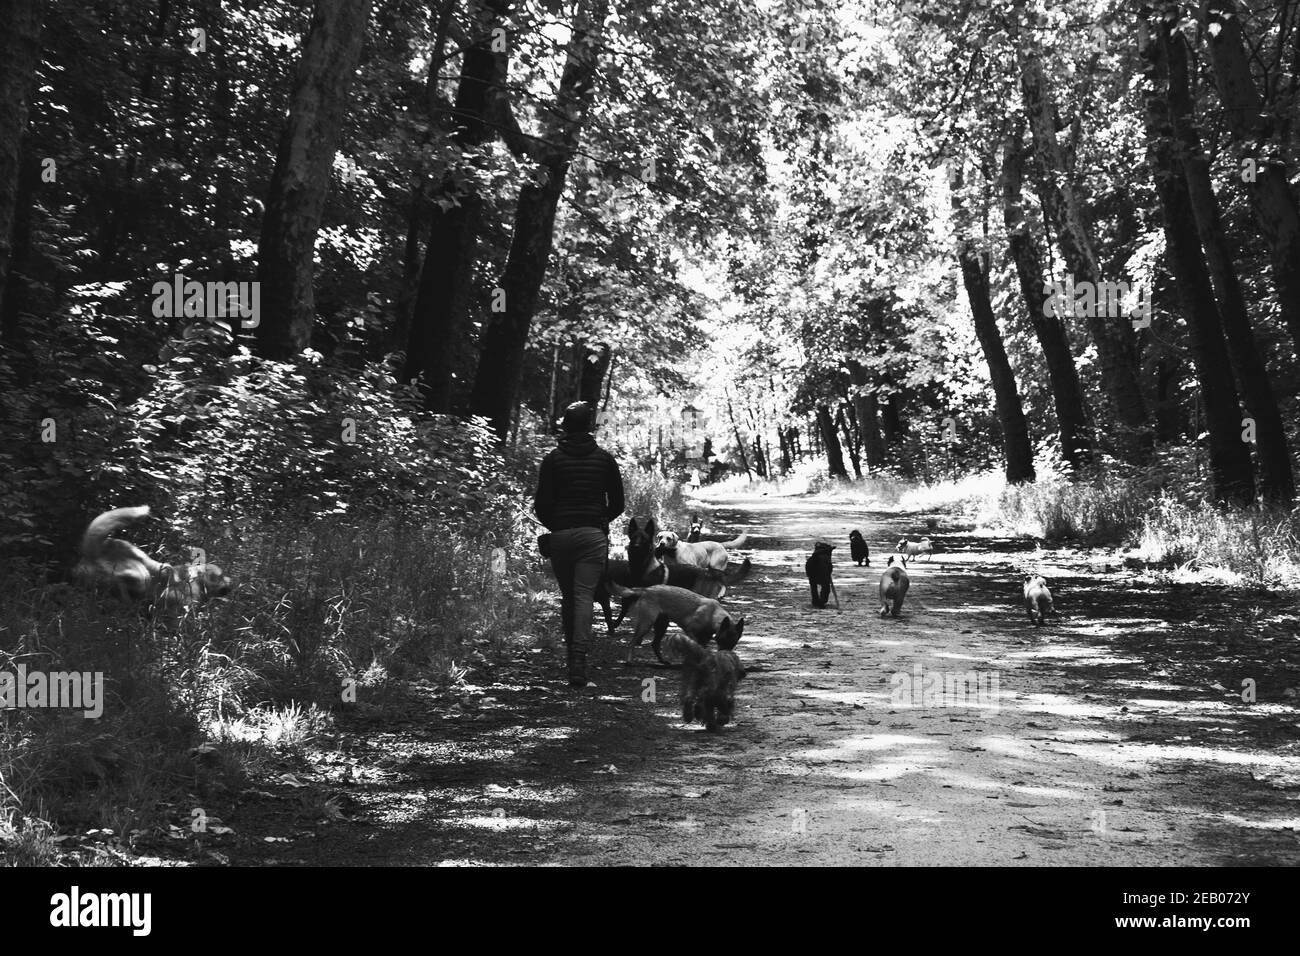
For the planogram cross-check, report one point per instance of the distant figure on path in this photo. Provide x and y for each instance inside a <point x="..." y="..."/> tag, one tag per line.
<point x="579" y="492"/>
<point x="695" y="479"/>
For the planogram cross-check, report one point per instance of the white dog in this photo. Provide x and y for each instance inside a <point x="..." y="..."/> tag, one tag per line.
<point x="908" y="549"/>
<point x="671" y="549"/>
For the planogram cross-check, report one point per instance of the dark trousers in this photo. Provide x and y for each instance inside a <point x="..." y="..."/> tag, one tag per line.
<point x="578" y="557"/>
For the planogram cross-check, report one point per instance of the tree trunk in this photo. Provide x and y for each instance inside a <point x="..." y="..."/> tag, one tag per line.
<point x="592" y="366"/>
<point x="440" y="344"/>
<point x="1246" y="117"/>
<point x="1016" y="449"/>
<point x="854" y="459"/>
<point x="1230" y="467"/>
<point x="20" y="52"/>
<point x="1116" y="345"/>
<point x="891" y="419"/>
<point x="834" y="453"/>
<point x="740" y="442"/>
<point x="301" y="179"/>
<point x="1067" y="393"/>
<point x="866" y="406"/>
<point x="760" y="460"/>
<point x="505" y="339"/>
<point x="1276" y="482"/>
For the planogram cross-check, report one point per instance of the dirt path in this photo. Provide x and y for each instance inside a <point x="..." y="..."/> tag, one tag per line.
<point x="1107" y="741"/>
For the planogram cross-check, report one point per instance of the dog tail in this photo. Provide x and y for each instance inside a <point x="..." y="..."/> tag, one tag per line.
<point x="734" y="542"/>
<point x="730" y="576"/>
<point x="109" y="523"/>
<point x="625" y="595"/>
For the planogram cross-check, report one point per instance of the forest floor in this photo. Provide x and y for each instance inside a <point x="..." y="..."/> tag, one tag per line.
<point x="1117" y="734"/>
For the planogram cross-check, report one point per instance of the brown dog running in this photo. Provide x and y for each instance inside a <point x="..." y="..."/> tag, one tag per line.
<point x="125" y="570"/>
<point x="703" y="619"/>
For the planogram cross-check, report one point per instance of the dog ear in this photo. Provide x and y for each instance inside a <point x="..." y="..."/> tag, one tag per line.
<point x="651" y="528"/>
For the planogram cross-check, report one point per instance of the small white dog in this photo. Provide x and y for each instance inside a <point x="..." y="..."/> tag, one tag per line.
<point x="908" y="549"/>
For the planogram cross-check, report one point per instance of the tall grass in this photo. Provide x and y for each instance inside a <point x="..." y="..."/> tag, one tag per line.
<point x="650" y="493"/>
<point x="1098" y="511"/>
<point x="257" y="673"/>
<point x="1257" y="545"/>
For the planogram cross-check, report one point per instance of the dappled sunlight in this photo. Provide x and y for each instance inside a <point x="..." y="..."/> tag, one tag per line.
<point x="1063" y="706"/>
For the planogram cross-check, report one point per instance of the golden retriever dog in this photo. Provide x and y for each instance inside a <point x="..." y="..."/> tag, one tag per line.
<point x="671" y="549"/>
<point x="120" y="567"/>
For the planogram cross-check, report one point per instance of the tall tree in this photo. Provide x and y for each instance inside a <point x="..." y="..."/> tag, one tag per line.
<point x="1016" y="450"/>
<point x="301" y="180"/>
<point x="501" y="362"/>
<point x="834" y="450"/>
<point x="1267" y="175"/>
<point x="1276" y="482"/>
<point x="866" y="407"/>
<point x="1067" y="393"/>
<point x="1230" y="466"/>
<point x="439" y="344"/>
<point x="1116" y="345"/>
<point x="20" y="48"/>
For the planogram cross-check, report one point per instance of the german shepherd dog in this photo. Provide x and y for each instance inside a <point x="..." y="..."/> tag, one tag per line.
<point x="910" y="549"/>
<point x="893" y="588"/>
<point x="697" y="530"/>
<point x="709" y="679"/>
<point x="818" y="567"/>
<point x="858" y="549"/>
<point x="671" y="549"/>
<point x="120" y="567"/>
<point x="1038" y="599"/>
<point x="703" y="619"/>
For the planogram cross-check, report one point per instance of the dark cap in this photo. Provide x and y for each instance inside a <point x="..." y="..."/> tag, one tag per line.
<point x="578" y="417"/>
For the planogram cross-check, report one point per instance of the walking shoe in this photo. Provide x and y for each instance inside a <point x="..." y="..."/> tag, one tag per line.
<point x="577" y="668"/>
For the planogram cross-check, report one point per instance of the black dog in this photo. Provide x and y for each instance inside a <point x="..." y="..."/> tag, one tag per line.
<point x="858" y="549"/>
<point x="697" y="529"/>
<point x="818" y="569"/>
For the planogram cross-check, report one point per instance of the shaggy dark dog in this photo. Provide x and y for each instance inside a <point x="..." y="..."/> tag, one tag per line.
<point x="709" y="680"/>
<point x="858" y="549"/>
<point x="818" y="569"/>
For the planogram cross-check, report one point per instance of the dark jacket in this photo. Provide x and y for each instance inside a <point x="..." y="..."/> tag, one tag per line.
<point x="578" y="486"/>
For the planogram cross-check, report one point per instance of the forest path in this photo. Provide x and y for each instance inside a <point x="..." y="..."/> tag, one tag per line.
<point x="1106" y="743"/>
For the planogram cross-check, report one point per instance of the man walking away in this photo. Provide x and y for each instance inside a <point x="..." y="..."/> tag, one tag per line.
<point x="579" y="492"/>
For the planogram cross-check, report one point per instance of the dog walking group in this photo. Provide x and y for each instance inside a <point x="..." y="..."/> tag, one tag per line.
<point x="665" y="579"/>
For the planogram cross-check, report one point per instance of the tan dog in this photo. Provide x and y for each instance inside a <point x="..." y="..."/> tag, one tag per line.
<point x="703" y="619"/>
<point x="119" y="566"/>
<point x="671" y="549"/>
<point x="893" y="588"/>
<point x="1038" y="598"/>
